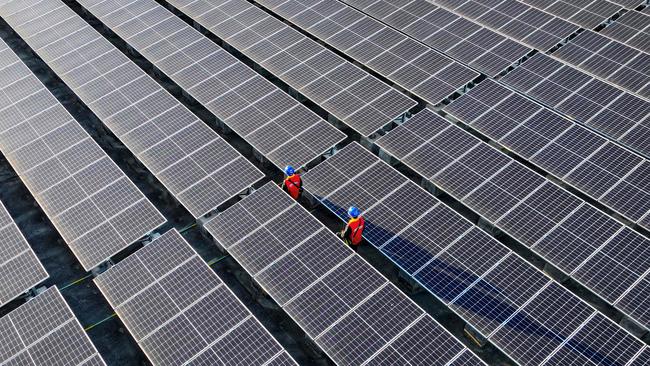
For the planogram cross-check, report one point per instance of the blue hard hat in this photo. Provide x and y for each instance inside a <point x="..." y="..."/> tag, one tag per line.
<point x="354" y="212"/>
<point x="289" y="170"/>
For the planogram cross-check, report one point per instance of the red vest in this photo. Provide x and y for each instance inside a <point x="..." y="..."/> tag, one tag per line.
<point x="356" y="227"/>
<point x="293" y="183"/>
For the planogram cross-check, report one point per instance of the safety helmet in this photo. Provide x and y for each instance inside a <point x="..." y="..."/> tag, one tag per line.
<point x="353" y="212"/>
<point x="289" y="170"/>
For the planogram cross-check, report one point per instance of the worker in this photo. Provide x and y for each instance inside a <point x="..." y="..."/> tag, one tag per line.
<point x="353" y="231"/>
<point x="292" y="183"/>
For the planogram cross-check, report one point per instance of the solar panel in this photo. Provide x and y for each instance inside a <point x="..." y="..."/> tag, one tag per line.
<point x="341" y="88"/>
<point x="610" y="60"/>
<point x="523" y="23"/>
<point x="475" y="275"/>
<point x="44" y="331"/>
<point x="351" y="311"/>
<point x="444" y="31"/>
<point x="20" y="269"/>
<point x="275" y="124"/>
<point x="186" y="156"/>
<point x="90" y="201"/>
<point x="404" y="61"/>
<point x="631" y="28"/>
<point x="180" y="312"/>
<point x="585" y="13"/>
<point x="619" y="115"/>
<point x="533" y="210"/>
<point x="578" y="156"/>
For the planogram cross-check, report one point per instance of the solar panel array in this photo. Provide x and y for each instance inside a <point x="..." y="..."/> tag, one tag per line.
<point x="404" y="61"/>
<point x="351" y="311"/>
<point x="275" y="124"/>
<point x="614" y="176"/>
<point x="585" y="13"/>
<point x="609" y="59"/>
<point x="617" y="114"/>
<point x="525" y="313"/>
<point x="523" y="23"/>
<point x="20" y="269"/>
<point x="44" y="331"/>
<point x="341" y="88"/>
<point x="485" y="50"/>
<point x="180" y="312"/>
<point x="97" y="209"/>
<point x="611" y="260"/>
<point x="188" y="157"/>
<point x="632" y="28"/>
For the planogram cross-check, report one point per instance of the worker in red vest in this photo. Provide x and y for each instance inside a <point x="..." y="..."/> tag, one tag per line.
<point x="353" y="231"/>
<point x="292" y="183"/>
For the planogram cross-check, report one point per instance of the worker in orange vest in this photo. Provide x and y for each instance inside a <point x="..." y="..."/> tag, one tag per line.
<point x="292" y="183"/>
<point x="353" y="231"/>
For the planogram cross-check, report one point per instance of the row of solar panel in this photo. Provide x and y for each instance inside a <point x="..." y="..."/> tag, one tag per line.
<point x="345" y="91"/>
<point x="629" y="199"/>
<point x="160" y="356"/>
<point x="94" y="206"/>
<point x="612" y="260"/>
<point x="617" y="114"/>
<point x="348" y="308"/>
<point x="612" y="175"/>
<point x="529" y="316"/>
<point x="20" y="269"/>
<point x="186" y="156"/>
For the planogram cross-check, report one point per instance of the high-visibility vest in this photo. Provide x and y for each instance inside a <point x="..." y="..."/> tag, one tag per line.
<point x="293" y="184"/>
<point x="356" y="227"/>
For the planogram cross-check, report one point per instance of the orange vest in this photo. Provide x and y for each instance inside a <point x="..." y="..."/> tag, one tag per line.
<point x="293" y="184"/>
<point x="356" y="227"/>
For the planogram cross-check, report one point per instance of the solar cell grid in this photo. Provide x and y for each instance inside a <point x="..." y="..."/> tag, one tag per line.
<point x="20" y="269"/>
<point x="79" y="187"/>
<point x="44" y="331"/>
<point x="533" y="210"/>
<point x="342" y="89"/>
<point x="165" y="136"/>
<point x="278" y="126"/>
<point x="410" y="64"/>
<point x="195" y="318"/>
<point x="576" y="155"/>
<point x="523" y="23"/>
<point x="631" y="28"/>
<point x="444" y="31"/>
<point x="350" y="310"/>
<point x="610" y="60"/>
<point x="492" y="292"/>
<point x="619" y="115"/>
<point x="585" y="13"/>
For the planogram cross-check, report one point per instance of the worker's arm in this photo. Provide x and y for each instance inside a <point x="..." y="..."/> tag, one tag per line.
<point x="345" y="231"/>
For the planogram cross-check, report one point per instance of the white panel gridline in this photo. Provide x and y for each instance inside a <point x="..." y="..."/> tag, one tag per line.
<point x="524" y="23"/>
<point x="513" y="197"/>
<point x="438" y="248"/>
<point x="609" y="60"/>
<point x="89" y="200"/>
<point x="275" y="124"/>
<point x="351" y="311"/>
<point x="187" y="156"/>
<point x="631" y="28"/>
<point x="585" y="13"/>
<point x="20" y="269"/>
<point x="412" y="65"/>
<point x="44" y="331"/>
<point x="612" y="175"/>
<point x="444" y="31"/>
<point x="617" y="114"/>
<point x="180" y="312"/>
<point x="344" y="90"/>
